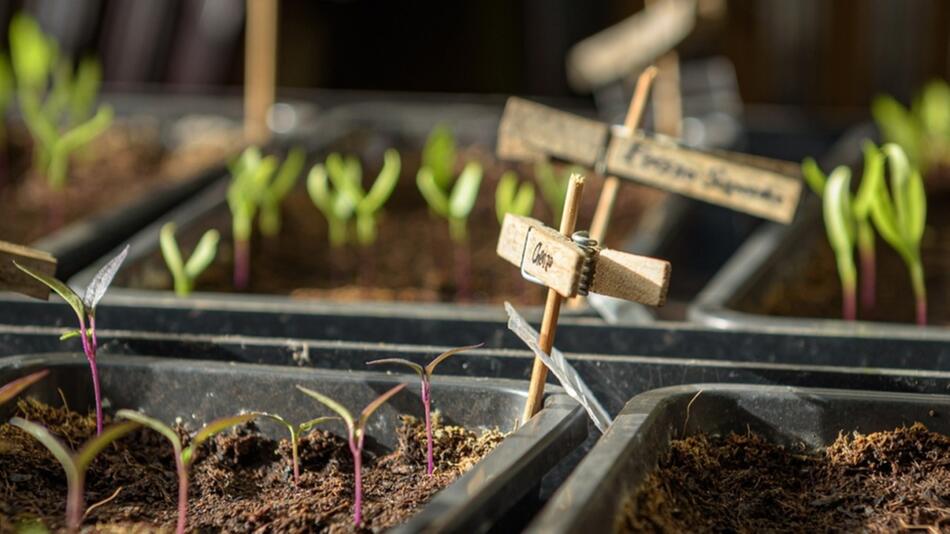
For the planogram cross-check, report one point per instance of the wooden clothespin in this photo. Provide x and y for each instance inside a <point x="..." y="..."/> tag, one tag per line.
<point x="758" y="186"/>
<point x="260" y="68"/>
<point x="13" y="279"/>
<point x="569" y="264"/>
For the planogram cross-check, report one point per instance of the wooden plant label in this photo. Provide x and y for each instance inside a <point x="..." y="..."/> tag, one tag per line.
<point x="558" y="263"/>
<point x="710" y="177"/>
<point x="529" y="131"/>
<point x="759" y="186"/>
<point x="13" y="279"/>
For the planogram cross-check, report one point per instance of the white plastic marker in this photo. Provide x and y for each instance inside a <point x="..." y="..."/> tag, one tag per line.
<point x="572" y="382"/>
<point x="570" y="264"/>
<point x="758" y="186"/>
<point x="13" y="279"/>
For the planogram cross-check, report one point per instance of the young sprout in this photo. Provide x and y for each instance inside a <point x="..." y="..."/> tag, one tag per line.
<point x="296" y="431"/>
<point x="14" y="388"/>
<point x="873" y="164"/>
<point x="901" y="219"/>
<point x="553" y="186"/>
<point x="85" y="308"/>
<point x="75" y="464"/>
<point x="425" y="377"/>
<point x="274" y="193"/>
<point x="347" y="197"/>
<point x="438" y="156"/>
<point x="839" y="225"/>
<point x="512" y="198"/>
<point x="250" y="174"/>
<point x="184" y="456"/>
<point x="185" y="273"/>
<point x="34" y="56"/>
<point x="923" y="131"/>
<point x="356" y="433"/>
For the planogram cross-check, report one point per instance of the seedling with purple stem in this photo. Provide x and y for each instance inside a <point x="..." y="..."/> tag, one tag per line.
<point x="425" y="377"/>
<point x="356" y="433"/>
<point x="185" y="273"/>
<point x="14" y="388"/>
<point x="861" y="208"/>
<point x="900" y="215"/>
<point x="295" y="432"/>
<point x="85" y="308"/>
<point x="75" y="464"/>
<point x="184" y="456"/>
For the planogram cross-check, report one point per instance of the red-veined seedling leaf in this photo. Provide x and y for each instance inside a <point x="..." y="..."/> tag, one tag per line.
<point x="96" y="444"/>
<point x="308" y="425"/>
<point x="209" y="430"/>
<point x="445" y="355"/>
<point x="400" y="361"/>
<point x="333" y="405"/>
<point x="100" y="283"/>
<point x="376" y="403"/>
<point x="14" y="388"/>
<point x="52" y="443"/>
<point x="61" y="289"/>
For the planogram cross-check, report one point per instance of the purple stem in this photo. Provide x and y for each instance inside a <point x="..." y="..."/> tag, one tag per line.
<point x="296" y="459"/>
<point x="182" y="493"/>
<point x="242" y="263"/>
<point x="89" y="348"/>
<point x="921" y="311"/>
<point x="848" y="304"/>
<point x="74" y="503"/>
<point x="427" y="404"/>
<point x="868" y="279"/>
<point x="356" y="448"/>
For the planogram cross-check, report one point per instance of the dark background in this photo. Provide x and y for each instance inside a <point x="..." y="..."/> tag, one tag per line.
<point x="813" y="53"/>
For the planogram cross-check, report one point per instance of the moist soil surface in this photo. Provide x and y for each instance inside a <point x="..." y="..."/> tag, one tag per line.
<point x="414" y="258"/>
<point x="123" y="164"/>
<point x="807" y="284"/>
<point x="242" y="481"/>
<point x="894" y="481"/>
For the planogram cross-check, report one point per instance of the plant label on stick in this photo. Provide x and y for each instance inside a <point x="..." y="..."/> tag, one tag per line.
<point x="13" y="279"/>
<point x="755" y="185"/>
<point x="572" y="266"/>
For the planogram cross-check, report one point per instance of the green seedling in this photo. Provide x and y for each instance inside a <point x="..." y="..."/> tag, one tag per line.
<point x="184" y="456"/>
<point x="425" y="377"/>
<point x="85" y="308"/>
<point x="14" y="388"/>
<point x="251" y="175"/>
<point x="900" y="216"/>
<point x="439" y="156"/>
<point x="35" y="60"/>
<point x="923" y="131"/>
<point x="75" y="464"/>
<point x="861" y="211"/>
<point x="185" y="273"/>
<point x="296" y="431"/>
<point x="336" y="189"/>
<point x="512" y="198"/>
<point x="839" y="225"/>
<point x="277" y="190"/>
<point x="553" y="185"/>
<point x="356" y="434"/>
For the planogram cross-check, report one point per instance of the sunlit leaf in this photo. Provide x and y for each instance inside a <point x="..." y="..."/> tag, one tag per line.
<point x="307" y="426"/>
<point x="813" y="176"/>
<point x="375" y="405"/>
<point x="837" y="211"/>
<point x="203" y="255"/>
<point x="465" y="191"/>
<point x="61" y="289"/>
<point x="400" y="361"/>
<point x="438" y="156"/>
<point x="102" y="280"/>
<point x="170" y="250"/>
<point x="56" y="447"/>
<point x="14" y="388"/>
<point x="333" y="405"/>
<point x="871" y="180"/>
<point x="431" y="192"/>
<point x="430" y="368"/>
<point x="384" y="185"/>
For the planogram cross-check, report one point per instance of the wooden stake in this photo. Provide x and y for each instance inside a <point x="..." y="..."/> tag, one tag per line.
<point x="667" y="100"/>
<point x="552" y="306"/>
<point x="13" y="279"/>
<point x="260" y="68"/>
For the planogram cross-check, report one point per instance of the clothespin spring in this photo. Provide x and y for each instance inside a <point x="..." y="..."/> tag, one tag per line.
<point x="583" y="240"/>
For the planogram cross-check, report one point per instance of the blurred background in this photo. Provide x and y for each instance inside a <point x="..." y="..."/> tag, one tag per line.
<point x="812" y="53"/>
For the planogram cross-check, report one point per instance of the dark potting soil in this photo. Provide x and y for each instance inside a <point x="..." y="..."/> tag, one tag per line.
<point x="807" y="285"/>
<point x="122" y="165"/>
<point x="242" y="481"/>
<point x="413" y="259"/>
<point x="894" y="481"/>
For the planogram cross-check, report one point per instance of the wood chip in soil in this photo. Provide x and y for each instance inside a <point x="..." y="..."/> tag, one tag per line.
<point x="242" y="481"/>
<point x="894" y="481"/>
